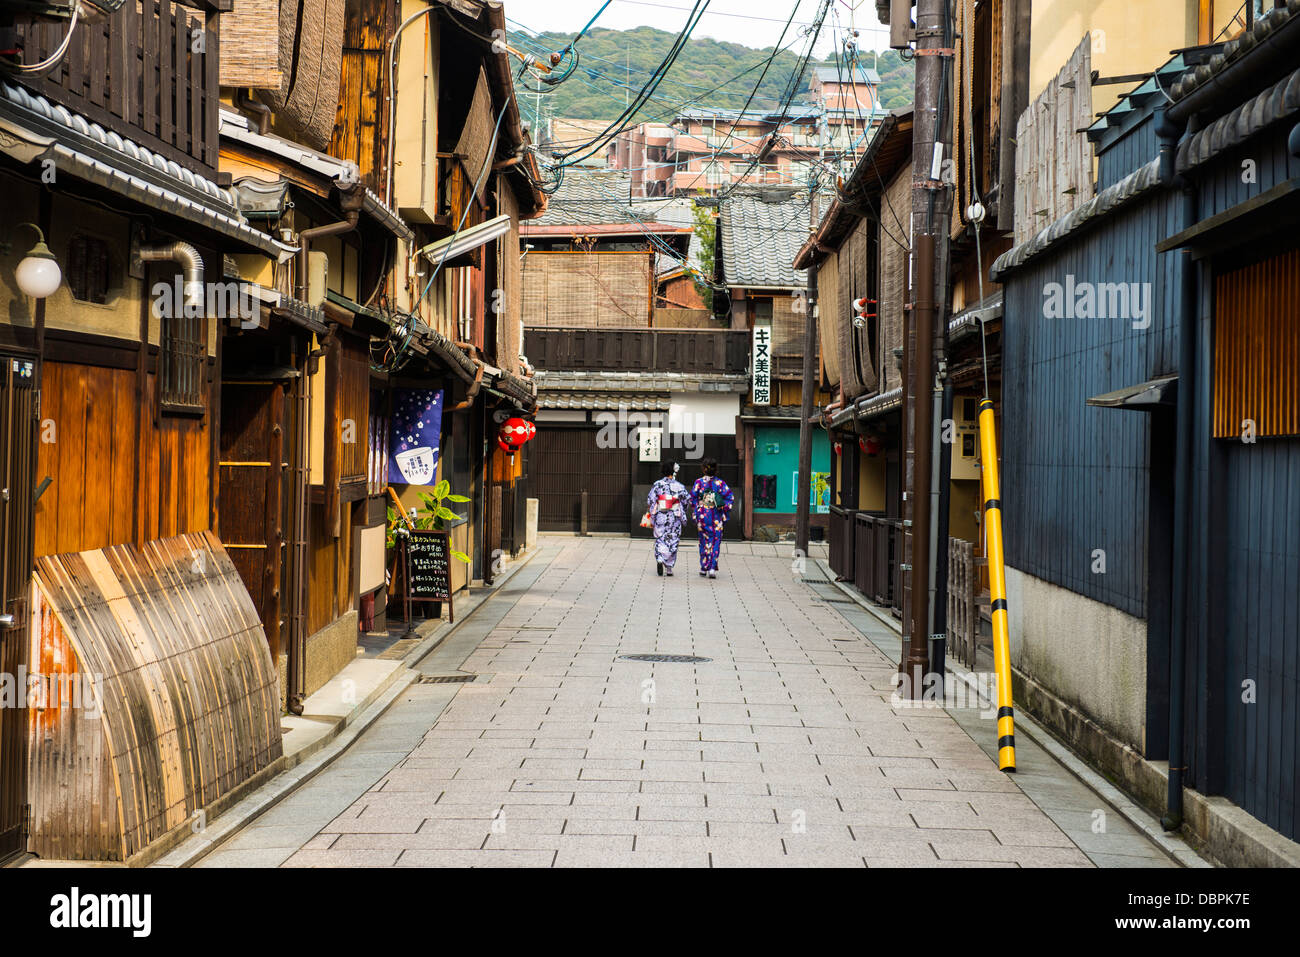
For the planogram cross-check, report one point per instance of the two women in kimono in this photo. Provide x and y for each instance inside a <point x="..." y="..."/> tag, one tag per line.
<point x="712" y="499"/>
<point x="668" y="503"/>
<point x="708" y="504"/>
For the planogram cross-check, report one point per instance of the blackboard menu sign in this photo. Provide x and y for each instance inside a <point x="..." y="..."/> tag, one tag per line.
<point x="429" y="556"/>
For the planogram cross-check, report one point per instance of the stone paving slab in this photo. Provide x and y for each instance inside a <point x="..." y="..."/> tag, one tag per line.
<point x="783" y="750"/>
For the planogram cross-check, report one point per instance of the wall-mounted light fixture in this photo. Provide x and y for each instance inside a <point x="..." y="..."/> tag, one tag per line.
<point x="38" y="274"/>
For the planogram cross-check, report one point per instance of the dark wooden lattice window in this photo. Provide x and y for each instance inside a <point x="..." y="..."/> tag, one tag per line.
<point x="1257" y="349"/>
<point x="181" y="361"/>
<point x="87" y="269"/>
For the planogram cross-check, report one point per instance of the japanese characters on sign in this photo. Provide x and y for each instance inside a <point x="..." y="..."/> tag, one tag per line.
<point x="650" y="442"/>
<point x="762" y="364"/>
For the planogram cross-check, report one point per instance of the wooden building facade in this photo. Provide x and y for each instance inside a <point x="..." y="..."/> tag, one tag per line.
<point x="121" y="605"/>
<point x="1189" y="506"/>
<point x="195" y="416"/>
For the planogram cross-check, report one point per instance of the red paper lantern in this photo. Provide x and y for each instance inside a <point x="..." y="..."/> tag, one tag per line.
<point x="870" y="445"/>
<point x="839" y="449"/>
<point x="515" y="430"/>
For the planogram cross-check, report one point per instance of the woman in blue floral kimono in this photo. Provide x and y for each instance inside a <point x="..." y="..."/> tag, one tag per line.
<point x="713" y="500"/>
<point x="668" y="503"/>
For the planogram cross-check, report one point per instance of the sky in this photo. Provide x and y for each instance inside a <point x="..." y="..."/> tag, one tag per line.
<point x="755" y="23"/>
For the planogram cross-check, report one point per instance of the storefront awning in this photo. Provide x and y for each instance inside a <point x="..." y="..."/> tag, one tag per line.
<point x="1144" y="397"/>
<point x="466" y="240"/>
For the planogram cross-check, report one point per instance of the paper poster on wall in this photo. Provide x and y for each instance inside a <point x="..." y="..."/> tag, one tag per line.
<point x="820" y="500"/>
<point x="415" y="436"/>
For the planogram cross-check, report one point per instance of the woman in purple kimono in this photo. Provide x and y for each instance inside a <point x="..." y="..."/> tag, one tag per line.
<point x="713" y="500"/>
<point x="668" y="503"/>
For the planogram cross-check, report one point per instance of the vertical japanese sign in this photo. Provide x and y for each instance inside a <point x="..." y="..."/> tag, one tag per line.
<point x="650" y="442"/>
<point x="416" y="433"/>
<point x="762" y="364"/>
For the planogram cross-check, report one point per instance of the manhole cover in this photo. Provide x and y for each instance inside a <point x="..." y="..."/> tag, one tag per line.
<point x="443" y="679"/>
<point x="666" y="659"/>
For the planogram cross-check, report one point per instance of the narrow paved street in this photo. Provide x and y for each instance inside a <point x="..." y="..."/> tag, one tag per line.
<point x="782" y="749"/>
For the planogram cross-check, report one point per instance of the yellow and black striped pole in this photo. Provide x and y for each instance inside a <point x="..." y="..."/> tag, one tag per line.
<point x="997" y="586"/>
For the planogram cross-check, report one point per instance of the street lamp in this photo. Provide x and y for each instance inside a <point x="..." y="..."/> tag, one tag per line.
<point x="38" y="274"/>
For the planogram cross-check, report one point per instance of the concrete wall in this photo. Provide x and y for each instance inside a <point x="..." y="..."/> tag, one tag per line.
<point x="1088" y="654"/>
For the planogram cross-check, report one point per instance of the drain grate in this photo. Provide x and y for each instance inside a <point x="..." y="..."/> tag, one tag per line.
<point x="666" y="659"/>
<point x="443" y="679"/>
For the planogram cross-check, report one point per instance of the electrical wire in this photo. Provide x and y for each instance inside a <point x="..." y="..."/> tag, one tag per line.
<point x="619" y="124"/>
<point x="32" y="69"/>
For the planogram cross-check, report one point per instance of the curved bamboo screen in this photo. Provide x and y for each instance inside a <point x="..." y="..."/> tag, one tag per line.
<point x="311" y="62"/>
<point x="159" y="694"/>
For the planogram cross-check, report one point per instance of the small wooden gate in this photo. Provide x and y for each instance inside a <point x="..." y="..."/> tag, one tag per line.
<point x="18" y="411"/>
<point x="963" y="601"/>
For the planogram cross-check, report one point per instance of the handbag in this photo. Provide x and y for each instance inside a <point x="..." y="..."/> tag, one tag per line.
<point x="645" y="520"/>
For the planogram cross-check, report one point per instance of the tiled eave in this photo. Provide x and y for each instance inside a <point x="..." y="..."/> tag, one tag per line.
<point x="640" y="382"/>
<point x="35" y="129"/>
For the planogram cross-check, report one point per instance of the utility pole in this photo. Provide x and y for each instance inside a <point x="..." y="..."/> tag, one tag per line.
<point x="931" y="209"/>
<point x="801" y="521"/>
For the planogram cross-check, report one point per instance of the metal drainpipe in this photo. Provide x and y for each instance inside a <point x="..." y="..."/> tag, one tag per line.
<point x="1169" y="131"/>
<point x="351" y="211"/>
<point x="296" y="692"/>
<point x="191" y="266"/>
<point x="245" y="99"/>
<point x="470" y="394"/>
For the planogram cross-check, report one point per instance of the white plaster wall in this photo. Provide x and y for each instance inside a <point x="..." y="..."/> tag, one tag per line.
<point x="704" y="412"/>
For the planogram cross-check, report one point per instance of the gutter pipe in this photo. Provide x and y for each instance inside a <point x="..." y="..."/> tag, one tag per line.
<point x="190" y="261"/>
<point x="1169" y="130"/>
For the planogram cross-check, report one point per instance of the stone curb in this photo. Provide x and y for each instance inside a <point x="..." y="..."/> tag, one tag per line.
<point x="1139" y="817"/>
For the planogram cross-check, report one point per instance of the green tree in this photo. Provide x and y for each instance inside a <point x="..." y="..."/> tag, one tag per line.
<point x="706" y="230"/>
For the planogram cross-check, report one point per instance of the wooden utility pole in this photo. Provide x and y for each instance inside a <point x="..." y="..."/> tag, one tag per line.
<point x="801" y="521"/>
<point x="931" y="209"/>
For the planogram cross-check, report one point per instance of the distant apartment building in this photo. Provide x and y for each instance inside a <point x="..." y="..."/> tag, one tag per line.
<point x="707" y="150"/>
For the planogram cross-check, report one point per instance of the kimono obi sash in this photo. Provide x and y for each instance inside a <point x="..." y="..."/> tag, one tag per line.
<point x="667" y="502"/>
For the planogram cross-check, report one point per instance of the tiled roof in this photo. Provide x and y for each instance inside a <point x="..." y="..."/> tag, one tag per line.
<point x="1238" y="48"/>
<point x="760" y="231"/>
<point x="235" y="126"/>
<point x="592" y="197"/>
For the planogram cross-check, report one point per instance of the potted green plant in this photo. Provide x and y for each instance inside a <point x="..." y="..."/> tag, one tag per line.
<point x="436" y="514"/>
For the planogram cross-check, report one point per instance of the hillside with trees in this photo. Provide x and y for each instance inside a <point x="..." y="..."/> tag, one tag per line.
<point x="614" y="64"/>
